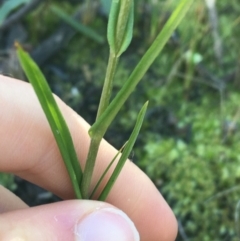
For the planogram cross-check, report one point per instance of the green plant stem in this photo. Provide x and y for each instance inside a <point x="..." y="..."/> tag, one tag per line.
<point x="105" y="120"/>
<point x="90" y="163"/>
<point x="107" y="87"/>
<point x="95" y="141"/>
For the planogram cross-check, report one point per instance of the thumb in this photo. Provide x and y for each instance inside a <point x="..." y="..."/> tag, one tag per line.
<point x="68" y="220"/>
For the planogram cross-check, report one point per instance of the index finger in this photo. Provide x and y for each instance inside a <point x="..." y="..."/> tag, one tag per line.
<point x="28" y="149"/>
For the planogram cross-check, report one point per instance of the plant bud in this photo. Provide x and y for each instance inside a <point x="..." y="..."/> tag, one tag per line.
<point x="120" y="25"/>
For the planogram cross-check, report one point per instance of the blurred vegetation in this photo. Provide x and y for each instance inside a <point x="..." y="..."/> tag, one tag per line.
<point x="7" y="180"/>
<point x="189" y="144"/>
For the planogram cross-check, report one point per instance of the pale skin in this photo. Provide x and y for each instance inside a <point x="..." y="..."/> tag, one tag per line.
<point x="28" y="149"/>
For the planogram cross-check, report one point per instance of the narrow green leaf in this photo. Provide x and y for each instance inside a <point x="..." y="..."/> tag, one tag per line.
<point x="101" y="125"/>
<point x="77" y="25"/>
<point x="120" y="25"/>
<point x="105" y="172"/>
<point x="54" y="117"/>
<point x="8" y="6"/>
<point x="126" y="152"/>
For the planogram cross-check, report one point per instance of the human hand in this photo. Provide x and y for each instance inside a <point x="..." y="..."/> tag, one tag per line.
<point x="28" y="149"/>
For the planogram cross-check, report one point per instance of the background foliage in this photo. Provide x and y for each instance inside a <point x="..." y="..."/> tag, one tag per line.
<point x="189" y="144"/>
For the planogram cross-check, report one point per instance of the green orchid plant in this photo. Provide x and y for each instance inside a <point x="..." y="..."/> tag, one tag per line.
<point x="119" y="35"/>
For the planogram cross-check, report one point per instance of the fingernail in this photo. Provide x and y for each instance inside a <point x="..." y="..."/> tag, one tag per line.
<point x="106" y="224"/>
